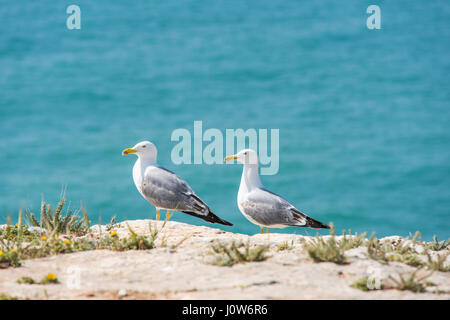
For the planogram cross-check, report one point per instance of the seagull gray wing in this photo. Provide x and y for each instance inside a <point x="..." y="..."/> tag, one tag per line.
<point x="164" y="189"/>
<point x="268" y="208"/>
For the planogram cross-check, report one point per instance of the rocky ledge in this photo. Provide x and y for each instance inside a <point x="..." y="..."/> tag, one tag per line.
<point x="180" y="267"/>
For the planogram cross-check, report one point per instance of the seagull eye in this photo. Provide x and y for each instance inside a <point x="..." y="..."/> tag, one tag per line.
<point x="144" y="146"/>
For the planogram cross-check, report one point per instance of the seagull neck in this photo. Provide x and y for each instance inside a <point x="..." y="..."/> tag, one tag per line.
<point x="250" y="177"/>
<point x="147" y="161"/>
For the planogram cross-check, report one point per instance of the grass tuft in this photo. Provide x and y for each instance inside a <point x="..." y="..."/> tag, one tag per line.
<point x="54" y="221"/>
<point x="228" y="255"/>
<point x="285" y="246"/>
<point x="409" y="259"/>
<point x="21" y="242"/>
<point x="332" y="249"/>
<point x="25" y="280"/>
<point x="438" y="264"/>
<point x="436" y="245"/>
<point x="411" y="283"/>
<point x="377" y="250"/>
<point x="7" y="297"/>
<point x="9" y="258"/>
<point x="362" y="284"/>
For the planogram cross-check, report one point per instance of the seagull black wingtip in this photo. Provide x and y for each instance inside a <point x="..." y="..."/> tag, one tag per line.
<point x="211" y="218"/>
<point x="314" y="224"/>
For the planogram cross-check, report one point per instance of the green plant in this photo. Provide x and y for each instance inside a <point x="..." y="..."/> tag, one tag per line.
<point x="54" y="221"/>
<point x="285" y="246"/>
<point x="362" y="284"/>
<point x="228" y="255"/>
<point x="111" y="224"/>
<point x="416" y="238"/>
<point x="349" y="241"/>
<point x="430" y="284"/>
<point x="403" y="248"/>
<point x="436" y="245"/>
<point x="19" y="242"/>
<point x="332" y="249"/>
<point x="377" y="250"/>
<point x="11" y="239"/>
<point x="132" y="242"/>
<point x="13" y="231"/>
<point x="25" y="280"/>
<point x="385" y="251"/>
<point x="7" y="297"/>
<point x="49" y="279"/>
<point x="412" y="260"/>
<point x="438" y="264"/>
<point x="410" y="283"/>
<point x="139" y="242"/>
<point x="9" y="258"/>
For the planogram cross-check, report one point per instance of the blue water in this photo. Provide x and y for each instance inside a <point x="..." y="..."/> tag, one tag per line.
<point x="364" y="115"/>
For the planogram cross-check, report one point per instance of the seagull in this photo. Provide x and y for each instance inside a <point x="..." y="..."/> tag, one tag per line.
<point x="164" y="189"/>
<point x="263" y="207"/>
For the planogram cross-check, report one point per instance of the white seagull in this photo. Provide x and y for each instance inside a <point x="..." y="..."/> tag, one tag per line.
<point x="163" y="188"/>
<point x="262" y="207"/>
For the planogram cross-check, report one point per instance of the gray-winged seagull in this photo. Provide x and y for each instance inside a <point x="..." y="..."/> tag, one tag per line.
<point x="263" y="207"/>
<point x="163" y="188"/>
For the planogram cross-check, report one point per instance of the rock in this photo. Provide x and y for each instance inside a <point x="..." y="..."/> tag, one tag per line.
<point x="180" y="270"/>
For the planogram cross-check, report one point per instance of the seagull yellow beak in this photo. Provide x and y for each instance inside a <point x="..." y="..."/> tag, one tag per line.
<point x="128" y="151"/>
<point x="229" y="158"/>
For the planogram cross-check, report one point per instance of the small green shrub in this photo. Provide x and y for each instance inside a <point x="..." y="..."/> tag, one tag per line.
<point x="55" y="221"/>
<point x="7" y="297"/>
<point x="228" y="255"/>
<point x="49" y="279"/>
<point x="438" y="264"/>
<point x="285" y="246"/>
<point x="377" y="250"/>
<point x="410" y="283"/>
<point x="9" y="258"/>
<point x="332" y="249"/>
<point x="436" y="245"/>
<point x="25" y="280"/>
<point x="362" y="284"/>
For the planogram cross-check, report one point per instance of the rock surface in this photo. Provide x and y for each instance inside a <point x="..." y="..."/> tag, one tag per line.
<point x="181" y="270"/>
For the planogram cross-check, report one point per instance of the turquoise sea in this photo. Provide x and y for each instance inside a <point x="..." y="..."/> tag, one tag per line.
<point x="364" y="115"/>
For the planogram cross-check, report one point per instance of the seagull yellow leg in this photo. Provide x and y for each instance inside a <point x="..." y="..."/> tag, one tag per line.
<point x="267" y="231"/>
<point x="167" y="215"/>
<point x="157" y="214"/>
<point x="262" y="230"/>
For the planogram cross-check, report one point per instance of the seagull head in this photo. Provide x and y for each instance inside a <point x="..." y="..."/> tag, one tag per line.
<point x="246" y="156"/>
<point x="144" y="149"/>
